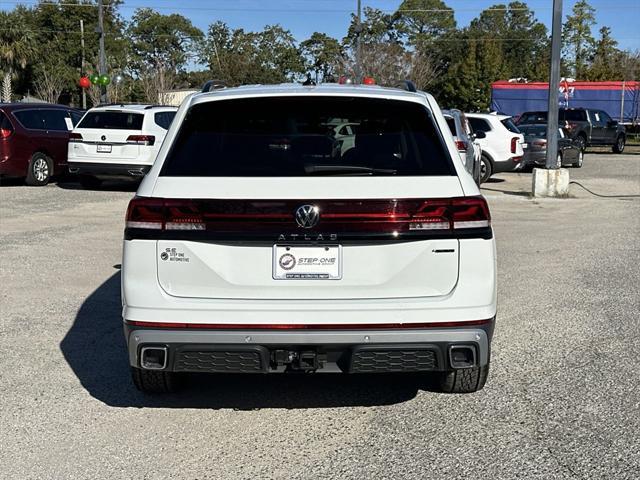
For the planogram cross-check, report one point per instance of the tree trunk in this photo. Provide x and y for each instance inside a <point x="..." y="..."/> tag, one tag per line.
<point x="6" y="86"/>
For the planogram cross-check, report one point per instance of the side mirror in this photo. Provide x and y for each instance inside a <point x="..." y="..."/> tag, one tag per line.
<point x="480" y="134"/>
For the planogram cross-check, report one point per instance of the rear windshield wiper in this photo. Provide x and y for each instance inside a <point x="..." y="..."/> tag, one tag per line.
<point x="347" y="170"/>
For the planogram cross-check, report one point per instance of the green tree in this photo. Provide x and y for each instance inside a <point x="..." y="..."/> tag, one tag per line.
<point x="17" y="47"/>
<point x="323" y="55"/>
<point x="56" y="28"/>
<point x="605" y="61"/>
<point x="460" y="87"/>
<point x="420" y="21"/>
<point x="577" y="39"/>
<point x="240" y="57"/>
<point x="161" y="46"/>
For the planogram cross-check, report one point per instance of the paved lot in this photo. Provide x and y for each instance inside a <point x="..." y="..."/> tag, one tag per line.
<point x="562" y="400"/>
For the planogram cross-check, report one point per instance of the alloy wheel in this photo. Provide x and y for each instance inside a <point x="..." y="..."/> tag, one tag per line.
<point x="40" y="169"/>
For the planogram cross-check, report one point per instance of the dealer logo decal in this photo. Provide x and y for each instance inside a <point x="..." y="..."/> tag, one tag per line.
<point x="287" y="261"/>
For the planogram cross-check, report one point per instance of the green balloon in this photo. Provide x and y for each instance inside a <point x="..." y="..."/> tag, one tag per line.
<point x="104" y="80"/>
<point x="94" y="78"/>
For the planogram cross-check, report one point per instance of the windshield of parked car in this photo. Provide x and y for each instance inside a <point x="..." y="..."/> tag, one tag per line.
<point x="294" y="136"/>
<point x="112" y="120"/>
<point x="532" y="117"/>
<point x="573" y="115"/>
<point x="539" y="131"/>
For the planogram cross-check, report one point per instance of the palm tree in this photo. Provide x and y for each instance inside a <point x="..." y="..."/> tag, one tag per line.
<point x="16" y="48"/>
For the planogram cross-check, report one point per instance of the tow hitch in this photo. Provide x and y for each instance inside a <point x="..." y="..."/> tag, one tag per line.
<point x="300" y="361"/>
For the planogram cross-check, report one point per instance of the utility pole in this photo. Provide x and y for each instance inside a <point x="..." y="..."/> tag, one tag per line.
<point x="102" y="67"/>
<point x="82" y="69"/>
<point x="554" y="81"/>
<point x="358" y="30"/>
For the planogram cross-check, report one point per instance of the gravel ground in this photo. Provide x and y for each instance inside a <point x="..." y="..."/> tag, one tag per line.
<point x="562" y="400"/>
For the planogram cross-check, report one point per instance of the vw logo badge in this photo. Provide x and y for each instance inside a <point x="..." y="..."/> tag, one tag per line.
<point x="103" y="138"/>
<point x="307" y="216"/>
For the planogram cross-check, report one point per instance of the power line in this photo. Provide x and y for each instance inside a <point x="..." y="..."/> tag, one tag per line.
<point x="303" y="10"/>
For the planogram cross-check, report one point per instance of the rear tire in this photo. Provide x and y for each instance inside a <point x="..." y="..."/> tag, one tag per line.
<point x="578" y="163"/>
<point x="486" y="169"/>
<point x="89" y="182"/>
<point x="618" y="147"/>
<point x="154" y="381"/>
<point x="466" y="380"/>
<point x="40" y="170"/>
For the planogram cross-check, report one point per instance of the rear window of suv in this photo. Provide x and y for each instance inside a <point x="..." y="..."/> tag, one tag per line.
<point x="112" y="120"/>
<point x="509" y="125"/>
<point x="294" y="136"/>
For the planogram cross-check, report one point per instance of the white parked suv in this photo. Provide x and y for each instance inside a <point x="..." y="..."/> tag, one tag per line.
<point x="256" y="244"/>
<point x="503" y="144"/>
<point x="117" y="141"/>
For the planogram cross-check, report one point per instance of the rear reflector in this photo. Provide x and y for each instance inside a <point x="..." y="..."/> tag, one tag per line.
<point x="289" y="326"/>
<point x="146" y="140"/>
<point x="266" y="217"/>
<point x="461" y="146"/>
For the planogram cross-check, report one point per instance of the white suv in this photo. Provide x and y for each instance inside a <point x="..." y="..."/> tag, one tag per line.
<point x="117" y="141"/>
<point x="503" y="144"/>
<point x="256" y="244"/>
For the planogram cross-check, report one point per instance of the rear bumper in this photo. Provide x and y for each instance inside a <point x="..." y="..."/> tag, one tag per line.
<point x="507" y="166"/>
<point x="352" y="351"/>
<point x="109" y="169"/>
<point x="535" y="158"/>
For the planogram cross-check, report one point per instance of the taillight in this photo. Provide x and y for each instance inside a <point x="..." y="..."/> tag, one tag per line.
<point x="461" y="146"/>
<point x="75" y="137"/>
<point x="470" y="212"/>
<point x="347" y="218"/>
<point x="146" y="140"/>
<point x="514" y="144"/>
<point x="5" y="133"/>
<point x="147" y="213"/>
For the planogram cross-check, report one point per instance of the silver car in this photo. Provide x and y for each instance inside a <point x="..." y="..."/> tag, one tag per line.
<point x="465" y="139"/>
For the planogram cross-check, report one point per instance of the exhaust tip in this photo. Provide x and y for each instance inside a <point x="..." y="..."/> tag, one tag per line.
<point x="462" y="356"/>
<point x="153" y="358"/>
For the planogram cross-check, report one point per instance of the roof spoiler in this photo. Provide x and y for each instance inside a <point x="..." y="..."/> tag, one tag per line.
<point x="212" y="85"/>
<point x="407" y="85"/>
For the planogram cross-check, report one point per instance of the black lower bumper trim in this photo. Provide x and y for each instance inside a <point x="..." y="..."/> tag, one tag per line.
<point x="208" y="358"/>
<point x="106" y="169"/>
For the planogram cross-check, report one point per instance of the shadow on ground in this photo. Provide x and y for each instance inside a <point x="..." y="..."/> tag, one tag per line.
<point x="72" y="183"/>
<point x="95" y="350"/>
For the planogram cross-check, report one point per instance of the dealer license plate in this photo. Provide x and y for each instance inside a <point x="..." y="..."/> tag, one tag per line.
<point x="307" y="263"/>
<point x="104" y="148"/>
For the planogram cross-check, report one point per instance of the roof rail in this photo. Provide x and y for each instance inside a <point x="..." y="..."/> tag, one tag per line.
<point x="212" y="85"/>
<point x="407" y="85"/>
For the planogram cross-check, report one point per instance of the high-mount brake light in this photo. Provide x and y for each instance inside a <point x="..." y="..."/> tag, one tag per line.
<point x="374" y="217"/>
<point x="146" y="140"/>
<point x="514" y="144"/>
<point x="75" y="137"/>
